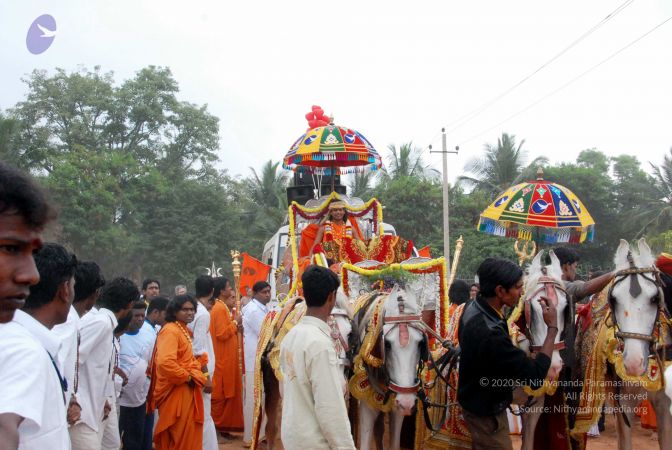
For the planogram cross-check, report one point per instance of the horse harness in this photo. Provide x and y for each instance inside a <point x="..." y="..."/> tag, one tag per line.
<point x="337" y="335"/>
<point x="635" y="289"/>
<point x="379" y="378"/>
<point x="550" y="288"/>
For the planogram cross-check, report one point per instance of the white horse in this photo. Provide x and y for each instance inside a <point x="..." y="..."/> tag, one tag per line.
<point x="668" y="385"/>
<point x="401" y="341"/>
<point x="541" y="281"/>
<point x="636" y="299"/>
<point x="340" y="323"/>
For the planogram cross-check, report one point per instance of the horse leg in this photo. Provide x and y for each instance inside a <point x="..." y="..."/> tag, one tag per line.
<point x="367" y="418"/>
<point x="273" y="406"/>
<point x="396" y="420"/>
<point x="661" y="404"/>
<point x="625" y="400"/>
<point x="379" y="431"/>
<point x="530" y="419"/>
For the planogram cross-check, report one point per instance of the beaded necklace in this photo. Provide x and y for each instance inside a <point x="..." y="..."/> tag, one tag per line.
<point x="76" y="377"/>
<point x="185" y="332"/>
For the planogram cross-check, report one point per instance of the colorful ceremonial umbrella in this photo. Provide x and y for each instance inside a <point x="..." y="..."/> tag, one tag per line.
<point x="539" y="211"/>
<point x="328" y="149"/>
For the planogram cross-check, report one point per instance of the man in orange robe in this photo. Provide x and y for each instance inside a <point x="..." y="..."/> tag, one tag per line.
<point x="227" y="385"/>
<point x="177" y="380"/>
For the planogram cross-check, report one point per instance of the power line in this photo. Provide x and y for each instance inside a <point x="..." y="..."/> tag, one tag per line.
<point x="460" y="121"/>
<point x="552" y="93"/>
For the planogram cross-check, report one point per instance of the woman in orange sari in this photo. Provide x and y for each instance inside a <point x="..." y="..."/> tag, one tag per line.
<point x="176" y="381"/>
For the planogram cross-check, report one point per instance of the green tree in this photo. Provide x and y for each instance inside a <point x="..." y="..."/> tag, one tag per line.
<point x="656" y="214"/>
<point x="633" y="188"/>
<point x="406" y="161"/>
<point x="267" y="192"/>
<point x="595" y="188"/>
<point x="502" y="166"/>
<point x="121" y="161"/>
<point x="413" y="206"/>
<point x="8" y="135"/>
<point x="361" y="185"/>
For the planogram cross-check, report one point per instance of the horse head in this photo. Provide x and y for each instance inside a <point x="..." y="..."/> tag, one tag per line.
<point x="403" y="343"/>
<point x="545" y="281"/>
<point x="340" y="323"/>
<point x="635" y="299"/>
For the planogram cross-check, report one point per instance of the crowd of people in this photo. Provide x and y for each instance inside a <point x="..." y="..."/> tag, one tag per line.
<point x="89" y="363"/>
<point x="95" y="364"/>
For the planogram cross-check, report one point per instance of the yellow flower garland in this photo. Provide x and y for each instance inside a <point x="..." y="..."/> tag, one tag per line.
<point x="292" y="227"/>
<point x="434" y="265"/>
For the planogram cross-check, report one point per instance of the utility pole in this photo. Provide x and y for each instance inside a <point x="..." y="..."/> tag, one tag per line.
<point x="446" y="208"/>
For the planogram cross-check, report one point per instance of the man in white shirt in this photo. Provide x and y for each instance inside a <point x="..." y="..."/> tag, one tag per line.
<point x="88" y="281"/>
<point x="133" y="360"/>
<point x="155" y="318"/>
<point x="313" y="407"/>
<point x="203" y="349"/>
<point x="31" y="385"/>
<point x="253" y="316"/>
<point x="96" y="361"/>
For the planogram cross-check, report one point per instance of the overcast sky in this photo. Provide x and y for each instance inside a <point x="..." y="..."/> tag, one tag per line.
<point x="395" y="71"/>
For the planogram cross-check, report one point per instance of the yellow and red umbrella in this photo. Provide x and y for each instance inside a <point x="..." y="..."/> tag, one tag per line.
<point x="539" y="211"/>
<point x="328" y="149"/>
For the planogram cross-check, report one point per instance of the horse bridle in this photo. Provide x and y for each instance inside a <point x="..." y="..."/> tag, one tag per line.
<point x="635" y="290"/>
<point x="337" y="335"/>
<point x="550" y="288"/>
<point x="401" y="320"/>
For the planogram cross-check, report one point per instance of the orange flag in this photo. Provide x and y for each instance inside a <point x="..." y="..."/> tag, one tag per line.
<point x="424" y="252"/>
<point x="252" y="271"/>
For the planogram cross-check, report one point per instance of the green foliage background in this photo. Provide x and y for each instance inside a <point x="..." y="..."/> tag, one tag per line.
<point x="135" y="173"/>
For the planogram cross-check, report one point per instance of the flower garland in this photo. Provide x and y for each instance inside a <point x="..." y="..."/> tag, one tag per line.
<point x="319" y="212"/>
<point x="185" y="332"/>
<point x="357" y="211"/>
<point x="432" y="266"/>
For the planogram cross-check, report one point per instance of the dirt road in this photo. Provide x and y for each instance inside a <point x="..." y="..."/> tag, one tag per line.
<point x="642" y="439"/>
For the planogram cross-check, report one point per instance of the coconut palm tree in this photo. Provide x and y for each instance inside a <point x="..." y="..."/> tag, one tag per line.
<point x="267" y="190"/>
<point x="406" y="161"/>
<point x="656" y="215"/>
<point x="502" y="166"/>
<point x="361" y="185"/>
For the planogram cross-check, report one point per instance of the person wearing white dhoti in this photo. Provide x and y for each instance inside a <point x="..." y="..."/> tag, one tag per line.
<point x="96" y="360"/>
<point x="253" y="316"/>
<point x="314" y="414"/>
<point x="202" y="345"/>
<point x="32" y="387"/>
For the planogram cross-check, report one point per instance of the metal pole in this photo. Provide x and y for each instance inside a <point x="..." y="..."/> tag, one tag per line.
<point x="446" y="208"/>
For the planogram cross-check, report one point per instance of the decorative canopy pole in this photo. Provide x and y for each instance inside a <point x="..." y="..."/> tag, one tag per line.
<point x="453" y="272"/>
<point x="456" y="260"/>
<point x="235" y="254"/>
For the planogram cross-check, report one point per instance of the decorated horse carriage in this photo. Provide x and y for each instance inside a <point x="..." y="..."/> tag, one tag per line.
<point x="391" y="302"/>
<point x="393" y="328"/>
